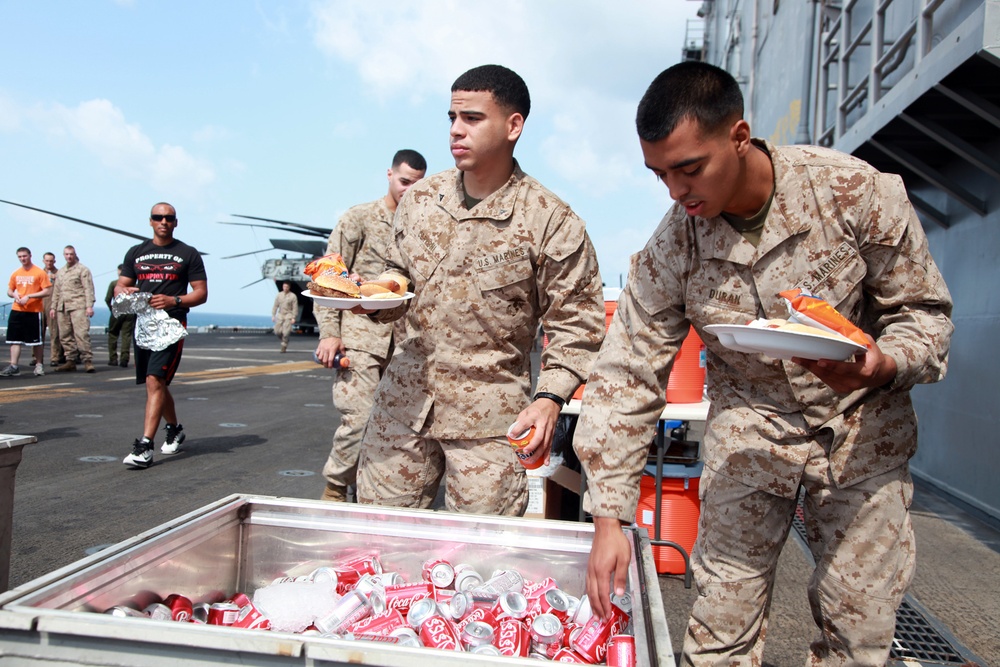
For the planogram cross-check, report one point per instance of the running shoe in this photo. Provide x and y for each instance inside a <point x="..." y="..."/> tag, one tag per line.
<point x="142" y="454"/>
<point x="175" y="436"/>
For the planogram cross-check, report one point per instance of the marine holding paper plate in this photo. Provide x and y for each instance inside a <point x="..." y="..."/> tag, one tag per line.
<point x="752" y="220"/>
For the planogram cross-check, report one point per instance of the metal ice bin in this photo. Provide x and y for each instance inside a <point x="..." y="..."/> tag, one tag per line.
<point x="242" y="543"/>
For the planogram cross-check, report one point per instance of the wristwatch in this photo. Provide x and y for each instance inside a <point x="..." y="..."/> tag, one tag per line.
<point x="177" y="300"/>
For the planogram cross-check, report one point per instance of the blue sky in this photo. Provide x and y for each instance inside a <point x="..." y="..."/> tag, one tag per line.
<point x="293" y="110"/>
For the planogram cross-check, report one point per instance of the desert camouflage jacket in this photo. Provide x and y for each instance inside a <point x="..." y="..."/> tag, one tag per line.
<point x="484" y="280"/>
<point x="836" y="228"/>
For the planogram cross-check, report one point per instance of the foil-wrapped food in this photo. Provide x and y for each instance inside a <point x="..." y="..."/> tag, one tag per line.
<point x="154" y="329"/>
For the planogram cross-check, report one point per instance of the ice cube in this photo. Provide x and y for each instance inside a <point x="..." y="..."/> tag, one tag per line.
<point x="292" y="606"/>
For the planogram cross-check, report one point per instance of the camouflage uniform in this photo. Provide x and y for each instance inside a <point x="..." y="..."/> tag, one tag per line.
<point x="72" y="295"/>
<point x="361" y="236"/>
<point x="52" y="323"/>
<point x="484" y="279"/>
<point x="841" y="230"/>
<point x="285" y="307"/>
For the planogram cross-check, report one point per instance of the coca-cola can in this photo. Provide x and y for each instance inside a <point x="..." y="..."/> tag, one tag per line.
<point x="460" y="605"/>
<point x="439" y="572"/>
<point x="249" y="616"/>
<point x="533" y="590"/>
<point x="621" y="651"/>
<point x="583" y="612"/>
<point x="159" y="612"/>
<point x="403" y="597"/>
<point x="466" y="577"/>
<point x="372" y="591"/>
<point x="569" y="655"/>
<point x="436" y="632"/>
<point x="477" y="633"/>
<point x="180" y="607"/>
<point x="407" y="637"/>
<point x="390" y="579"/>
<point x="623" y="602"/>
<point x="546" y="633"/>
<point x="485" y="649"/>
<point x="479" y="615"/>
<point x="554" y="602"/>
<point x="420" y="611"/>
<point x="512" y="604"/>
<point x="222" y="613"/>
<point x="363" y="564"/>
<point x="592" y="641"/>
<point x="512" y="638"/>
<point x="122" y="611"/>
<point x="379" y="624"/>
<point x="322" y="575"/>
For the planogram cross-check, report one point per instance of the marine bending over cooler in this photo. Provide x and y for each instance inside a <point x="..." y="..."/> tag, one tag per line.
<point x="490" y="254"/>
<point x="751" y="220"/>
<point x="163" y="267"/>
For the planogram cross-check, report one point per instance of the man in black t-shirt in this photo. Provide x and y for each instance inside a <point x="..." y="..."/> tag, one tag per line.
<point x="163" y="267"/>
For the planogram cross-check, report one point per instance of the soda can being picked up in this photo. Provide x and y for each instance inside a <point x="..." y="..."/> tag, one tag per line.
<point x="521" y="440"/>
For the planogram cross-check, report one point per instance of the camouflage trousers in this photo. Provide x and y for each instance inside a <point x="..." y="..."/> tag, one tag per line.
<point x="860" y="537"/>
<point x="402" y="468"/>
<point x="74" y="334"/>
<point x="283" y="328"/>
<point x="353" y="392"/>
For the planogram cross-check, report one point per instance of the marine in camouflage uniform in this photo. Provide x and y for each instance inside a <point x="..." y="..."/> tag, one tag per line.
<point x="361" y="237"/>
<point x="841" y="230"/>
<point x="283" y="311"/>
<point x="73" y="303"/>
<point x="484" y="279"/>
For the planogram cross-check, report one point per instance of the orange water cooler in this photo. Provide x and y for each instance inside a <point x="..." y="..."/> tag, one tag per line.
<point x="680" y="510"/>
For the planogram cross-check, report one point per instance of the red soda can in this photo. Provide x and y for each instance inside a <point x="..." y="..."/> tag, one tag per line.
<point x="402" y="597"/>
<point x="621" y="651"/>
<point x="569" y="655"/>
<point x="223" y="613"/>
<point x="439" y="572"/>
<point x="460" y="605"/>
<point x="379" y="624"/>
<point x="512" y="638"/>
<point x="436" y="632"/>
<point x="592" y="641"/>
<point x="477" y="633"/>
<point x="249" y="616"/>
<point x="554" y="602"/>
<point x="535" y="589"/>
<point x="180" y="607"/>
<point x="512" y="604"/>
<point x="364" y="564"/>
<point x="479" y="615"/>
<point x="546" y="634"/>
<point x="466" y="577"/>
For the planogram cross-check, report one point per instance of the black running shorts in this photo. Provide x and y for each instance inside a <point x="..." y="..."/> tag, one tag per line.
<point x="24" y="328"/>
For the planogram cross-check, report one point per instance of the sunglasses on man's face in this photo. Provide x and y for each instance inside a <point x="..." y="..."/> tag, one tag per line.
<point x="160" y="218"/>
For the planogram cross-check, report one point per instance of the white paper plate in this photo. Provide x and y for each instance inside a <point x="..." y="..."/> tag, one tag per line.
<point x="364" y="302"/>
<point x="784" y="344"/>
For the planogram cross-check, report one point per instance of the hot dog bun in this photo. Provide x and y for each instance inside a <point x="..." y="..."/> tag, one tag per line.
<point x="376" y="287"/>
<point x="402" y="283"/>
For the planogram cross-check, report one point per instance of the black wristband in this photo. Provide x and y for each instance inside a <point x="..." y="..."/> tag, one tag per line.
<point x="552" y="397"/>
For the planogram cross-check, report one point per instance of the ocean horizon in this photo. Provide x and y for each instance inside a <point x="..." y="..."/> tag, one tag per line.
<point x="197" y="318"/>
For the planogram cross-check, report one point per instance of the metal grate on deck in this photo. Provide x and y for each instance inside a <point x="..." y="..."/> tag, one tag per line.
<point x="920" y="639"/>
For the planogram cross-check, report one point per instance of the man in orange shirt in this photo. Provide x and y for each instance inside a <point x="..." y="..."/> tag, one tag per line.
<point x="27" y="286"/>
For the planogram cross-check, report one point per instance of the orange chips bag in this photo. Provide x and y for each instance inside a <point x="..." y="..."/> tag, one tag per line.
<point x="815" y="312"/>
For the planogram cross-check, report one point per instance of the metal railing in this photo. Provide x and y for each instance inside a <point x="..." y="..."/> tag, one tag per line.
<point x="859" y="53"/>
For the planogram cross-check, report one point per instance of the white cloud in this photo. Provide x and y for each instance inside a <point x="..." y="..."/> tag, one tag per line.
<point x="579" y="59"/>
<point x="101" y="128"/>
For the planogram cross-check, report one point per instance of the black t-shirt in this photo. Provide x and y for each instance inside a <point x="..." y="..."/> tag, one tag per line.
<point x="164" y="269"/>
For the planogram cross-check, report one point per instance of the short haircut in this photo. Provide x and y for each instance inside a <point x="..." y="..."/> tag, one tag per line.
<point x="507" y="88"/>
<point x="69" y="247"/>
<point x="704" y="93"/>
<point x="410" y="157"/>
<point x="22" y="249"/>
<point x="46" y="254"/>
<point x="163" y="203"/>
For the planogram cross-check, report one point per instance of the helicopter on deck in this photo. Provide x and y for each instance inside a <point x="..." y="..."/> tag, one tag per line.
<point x="285" y="268"/>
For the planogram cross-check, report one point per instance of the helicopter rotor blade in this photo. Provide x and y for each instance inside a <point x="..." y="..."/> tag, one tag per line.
<point x="253" y="283"/>
<point x="244" y="254"/>
<point x="85" y="222"/>
<point x="282" y="229"/>
<point x="316" y="230"/>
